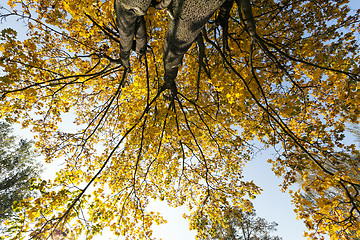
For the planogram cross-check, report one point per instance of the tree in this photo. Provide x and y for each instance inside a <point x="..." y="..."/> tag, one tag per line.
<point x="18" y="168"/>
<point x="240" y="225"/>
<point x="284" y="73"/>
<point x="309" y="195"/>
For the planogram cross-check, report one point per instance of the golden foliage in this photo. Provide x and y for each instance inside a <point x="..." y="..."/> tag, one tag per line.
<point x="295" y="85"/>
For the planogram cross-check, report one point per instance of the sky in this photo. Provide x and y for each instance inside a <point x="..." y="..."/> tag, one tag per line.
<point x="272" y="204"/>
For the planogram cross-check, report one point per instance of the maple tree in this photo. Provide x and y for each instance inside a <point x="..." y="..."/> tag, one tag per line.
<point x="286" y="75"/>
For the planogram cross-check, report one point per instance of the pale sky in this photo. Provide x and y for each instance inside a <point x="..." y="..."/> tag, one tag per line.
<point x="272" y="204"/>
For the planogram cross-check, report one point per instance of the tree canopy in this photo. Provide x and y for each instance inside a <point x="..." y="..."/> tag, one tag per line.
<point x="240" y="225"/>
<point x="287" y="78"/>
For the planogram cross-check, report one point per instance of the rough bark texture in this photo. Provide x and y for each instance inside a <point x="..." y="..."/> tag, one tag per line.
<point x="188" y="18"/>
<point x="131" y="23"/>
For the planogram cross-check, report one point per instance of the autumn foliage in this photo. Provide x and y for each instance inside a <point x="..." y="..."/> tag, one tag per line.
<point x="294" y="86"/>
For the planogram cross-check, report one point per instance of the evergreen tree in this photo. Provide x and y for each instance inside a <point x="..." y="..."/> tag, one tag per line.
<point x="18" y="167"/>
